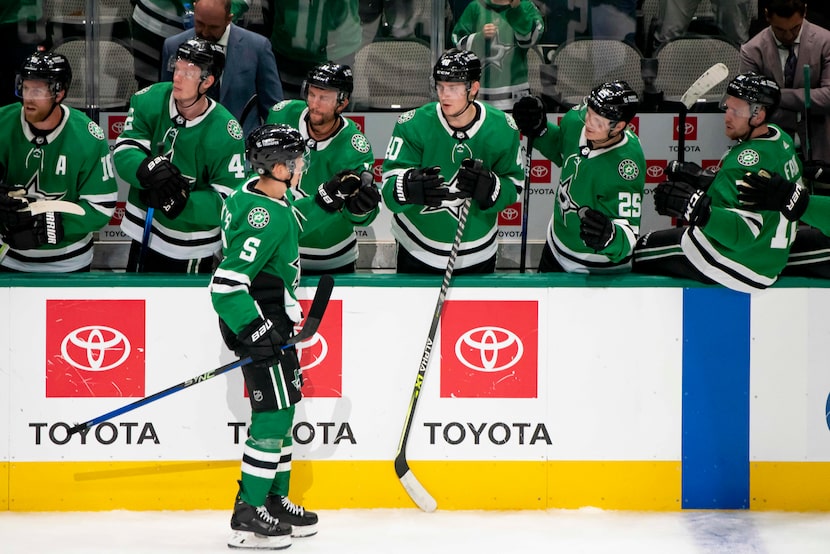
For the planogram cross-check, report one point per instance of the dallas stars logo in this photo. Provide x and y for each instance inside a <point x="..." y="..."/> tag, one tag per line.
<point x="34" y="192"/>
<point x="563" y="195"/>
<point x="498" y="51"/>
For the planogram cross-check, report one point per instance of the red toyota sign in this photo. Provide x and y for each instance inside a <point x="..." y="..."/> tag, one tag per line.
<point x="321" y="356"/>
<point x="691" y="128"/>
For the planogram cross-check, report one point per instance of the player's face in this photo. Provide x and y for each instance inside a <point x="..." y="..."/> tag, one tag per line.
<point x="736" y="118"/>
<point x="186" y="80"/>
<point x="37" y="100"/>
<point x="322" y="105"/>
<point x="210" y="20"/>
<point x="786" y="29"/>
<point x="596" y="126"/>
<point x="299" y="169"/>
<point x="451" y="96"/>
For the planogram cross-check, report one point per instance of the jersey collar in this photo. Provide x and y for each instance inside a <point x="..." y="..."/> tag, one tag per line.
<point x="41" y="140"/>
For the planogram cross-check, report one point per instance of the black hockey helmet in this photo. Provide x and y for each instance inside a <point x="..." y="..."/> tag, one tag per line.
<point x="616" y="101"/>
<point x="755" y="89"/>
<point x="331" y="76"/>
<point x="272" y="144"/>
<point x="209" y="56"/>
<point x="45" y="66"/>
<point x="457" y="66"/>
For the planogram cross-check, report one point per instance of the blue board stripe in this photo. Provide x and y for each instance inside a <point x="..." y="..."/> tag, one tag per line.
<point x="715" y="447"/>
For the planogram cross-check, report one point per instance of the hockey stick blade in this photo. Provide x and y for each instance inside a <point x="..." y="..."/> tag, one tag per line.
<point x="42" y="206"/>
<point x="706" y="82"/>
<point x="312" y="323"/>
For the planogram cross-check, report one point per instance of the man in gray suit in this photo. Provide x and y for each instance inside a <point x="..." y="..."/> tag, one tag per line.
<point x="780" y="52"/>
<point x="250" y="67"/>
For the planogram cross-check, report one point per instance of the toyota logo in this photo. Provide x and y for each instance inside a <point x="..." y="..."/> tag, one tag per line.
<point x="654" y="171"/>
<point x="510" y="214"/>
<point x="98" y="345"/>
<point x="117" y="127"/>
<point x="320" y="351"/>
<point x="538" y="171"/>
<point x="498" y="349"/>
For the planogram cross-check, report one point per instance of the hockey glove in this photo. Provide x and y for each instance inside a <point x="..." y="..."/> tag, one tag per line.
<point x="367" y="196"/>
<point x="691" y="173"/>
<point x="165" y="188"/>
<point x="596" y="229"/>
<point x="11" y="202"/>
<point x="763" y="191"/>
<point x="36" y="231"/>
<point x="332" y="194"/>
<point x="259" y="340"/>
<point x="422" y="186"/>
<point x="530" y="117"/>
<point x="478" y="183"/>
<point x="684" y="201"/>
<point x="817" y="171"/>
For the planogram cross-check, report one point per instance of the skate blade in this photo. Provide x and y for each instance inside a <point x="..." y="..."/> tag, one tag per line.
<point x="303" y="530"/>
<point x="250" y="540"/>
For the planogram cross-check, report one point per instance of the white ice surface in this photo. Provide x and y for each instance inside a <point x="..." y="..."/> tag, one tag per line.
<point x="585" y="531"/>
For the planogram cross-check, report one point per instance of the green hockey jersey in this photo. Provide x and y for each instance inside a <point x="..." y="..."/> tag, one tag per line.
<point x="503" y="57"/>
<point x="71" y="163"/>
<point x="741" y="249"/>
<point x="423" y="138"/>
<point x="610" y="180"/>
<point x="208" y="150"/>
<point x="334" y="245"/>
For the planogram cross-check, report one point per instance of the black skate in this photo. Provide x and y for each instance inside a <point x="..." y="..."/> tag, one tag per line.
<point x="303" y="522"/>
<point x="254" y="527"/>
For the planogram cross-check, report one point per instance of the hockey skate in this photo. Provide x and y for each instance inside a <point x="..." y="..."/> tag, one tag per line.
<point x="303" y="523"/>
<point x="254" y="527"/>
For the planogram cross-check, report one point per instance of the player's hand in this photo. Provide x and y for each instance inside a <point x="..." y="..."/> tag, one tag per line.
<point x="684" y="201"/>
<point x="691" y="173"/>
<point x="424" y="187"/>
<point x="332" y="194"/>
<point x="164" y="186"/>
<point x="596" y="229"/>
<point x="11" y="202"/>
<point x="171" y="205"/>
<point x="817" y="171"/>
<point x="529" y="114"/>
<point x="367" y="196"/>
<point x="478" y="183"/>
<point x="762" y="191"/>
<point x="259" y="340"/>
<point x="36" y="231"/>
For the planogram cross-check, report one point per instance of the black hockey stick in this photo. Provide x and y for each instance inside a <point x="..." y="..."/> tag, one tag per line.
<point x="246" y="110"/>
<point x="526" y="205"/>
<point x="148" y="223"/>
<point x="413" y="487"/>
<point x="312" y="323"/>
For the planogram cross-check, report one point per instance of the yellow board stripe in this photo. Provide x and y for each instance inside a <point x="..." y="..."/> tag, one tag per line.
<point x="612" y="485"/>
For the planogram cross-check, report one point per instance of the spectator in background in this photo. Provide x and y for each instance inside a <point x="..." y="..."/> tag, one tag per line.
<point x="250" y="68"/>
<point x="500" y="32"/>
<point x="155" y="20"/>
<point x="614" y="20"/>
<point x="731" y="16"/>
<point x="51" y="152"/>
<point x="780" y="52"/>
<point x="306" y="34"/>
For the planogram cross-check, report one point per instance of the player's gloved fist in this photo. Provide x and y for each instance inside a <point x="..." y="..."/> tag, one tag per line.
<point x="332" y="194"/>
<point x="690" y="172"/>
<point x="171" y="205"/>
<point x="684" y="201"/>
<point x="762" y="191"/>
<point x="596" y="229"/>
<point x="817" y="171"/>
<point x="37" y="231"/>
<point x="159" y="173"/>
<point x="259" y="340"/>
<point x="422" y="186"/>
<point x="11" y="202"/>
<point x="367" y="196"/>
<point x="530" y="117"/>
<point x="478" y="183"/>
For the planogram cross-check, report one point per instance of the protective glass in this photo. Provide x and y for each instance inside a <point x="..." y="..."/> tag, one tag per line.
<point x="185" y="69"/>
<point x="32" y="90"/>
<point x="738" y="108"/>
<point x="451" y="90"/>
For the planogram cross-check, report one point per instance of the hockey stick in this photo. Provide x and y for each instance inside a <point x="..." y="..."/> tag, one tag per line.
<point x="148" y="222"/>
<point x="246" y="110"/>
<point x="706" y="82"/>
<point x="38" y="207"/>
<point x="413" y="487"/>
<point x="312" y="323"/>
<point x="526" y="204"/>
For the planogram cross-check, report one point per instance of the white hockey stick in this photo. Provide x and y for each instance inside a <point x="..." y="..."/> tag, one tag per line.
<point x="41" y="207"/>
<point x="706" y="82"/>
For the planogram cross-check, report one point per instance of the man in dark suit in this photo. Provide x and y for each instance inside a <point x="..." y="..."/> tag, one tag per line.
<point x="780" y="52"/>
<point x="250" y="68"/>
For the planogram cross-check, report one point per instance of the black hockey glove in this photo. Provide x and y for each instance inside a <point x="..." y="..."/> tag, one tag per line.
<point x="422" y="186"/>
<point x="332" y="194"/>
<point x="530" y="117"/>
<point x="165" y="188"/>
<point x="596" y="229"/>
<point x="478" y="183"/>
<point x="367" y="196"/>
<point x="763" y="191"/>
<point x="259" y="340"/>
<point x="171" y="206"/>
<point x="36" y="231"/>
<point x="684" y="201"/>
<point x="817" y="171"/>
<point x="691" y="173"/>
<point x="11" y="202"/>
